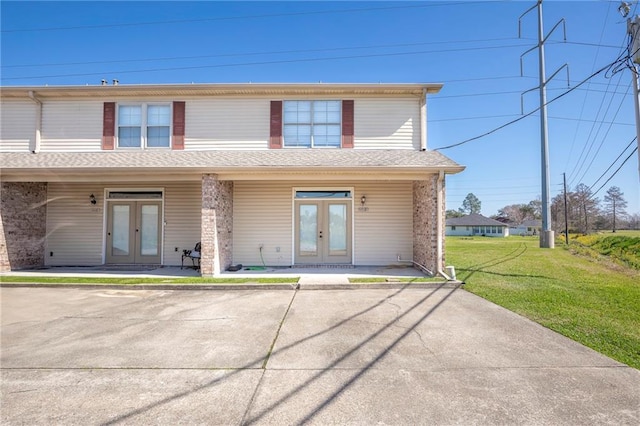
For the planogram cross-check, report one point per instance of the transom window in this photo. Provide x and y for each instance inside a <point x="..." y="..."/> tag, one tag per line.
<point x="312" y="124"/>
<point x="144" y="126"/>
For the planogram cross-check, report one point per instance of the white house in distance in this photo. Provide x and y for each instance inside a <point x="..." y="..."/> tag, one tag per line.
<point x="295" y="174"/>
<point x="475" y="224"/>
<point x="528" y="227"/>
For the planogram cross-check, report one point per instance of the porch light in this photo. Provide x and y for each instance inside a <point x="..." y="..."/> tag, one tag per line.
<point x="92" y="199"/>
<point x="363" y="200"/>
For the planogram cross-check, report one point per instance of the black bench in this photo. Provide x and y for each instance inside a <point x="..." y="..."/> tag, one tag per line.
<point x="194" y="255"/>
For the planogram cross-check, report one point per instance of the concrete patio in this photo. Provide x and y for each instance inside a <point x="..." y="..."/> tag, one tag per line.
<point x="307" y="275"/>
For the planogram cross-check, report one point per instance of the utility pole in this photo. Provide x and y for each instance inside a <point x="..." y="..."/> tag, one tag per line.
<point x="633" y="29"/>
<point x="547" y="238"/>
<point x="566" y="214"/>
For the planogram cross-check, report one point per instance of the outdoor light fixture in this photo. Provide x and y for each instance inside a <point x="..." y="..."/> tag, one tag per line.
<point x="92" y="199"/>
<point x="624" y="9"/>
<point x="363" y="200"/>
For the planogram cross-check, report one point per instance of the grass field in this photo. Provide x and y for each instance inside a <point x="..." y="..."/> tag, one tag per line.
<point x="592" y="301"/>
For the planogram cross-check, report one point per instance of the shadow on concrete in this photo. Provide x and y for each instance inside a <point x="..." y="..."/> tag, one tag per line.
<point x="264" y="361"/>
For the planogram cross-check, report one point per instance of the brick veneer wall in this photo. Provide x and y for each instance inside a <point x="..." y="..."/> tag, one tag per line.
<point x="23" y="222"/>
<point x="425" y="237"/>
<point x="217" y="225"/>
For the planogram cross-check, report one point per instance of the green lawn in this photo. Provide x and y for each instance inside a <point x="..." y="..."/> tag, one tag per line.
<point x="592" y="302"/>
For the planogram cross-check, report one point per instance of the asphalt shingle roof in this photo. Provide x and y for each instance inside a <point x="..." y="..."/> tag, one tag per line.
<point x="473" y="219"/>
<point x="280" y="159"/>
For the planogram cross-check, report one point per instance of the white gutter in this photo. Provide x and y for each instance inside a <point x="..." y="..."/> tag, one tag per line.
<point x="423" y="120"/>
<point x="440" y="226"/>
<point x="35" y="146"/>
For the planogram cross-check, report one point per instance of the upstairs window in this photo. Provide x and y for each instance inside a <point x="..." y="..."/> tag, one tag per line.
<point x="312" y="124"/>
<point x="144" y="126"/>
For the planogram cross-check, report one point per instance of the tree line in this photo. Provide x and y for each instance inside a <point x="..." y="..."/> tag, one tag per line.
<point x="585" y="213"/>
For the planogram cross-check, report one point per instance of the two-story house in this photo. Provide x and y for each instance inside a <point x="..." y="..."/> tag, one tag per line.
<point x="288" y="174"/>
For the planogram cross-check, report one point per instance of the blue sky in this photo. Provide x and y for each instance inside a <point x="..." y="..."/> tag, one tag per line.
<point x="472" y="47"/>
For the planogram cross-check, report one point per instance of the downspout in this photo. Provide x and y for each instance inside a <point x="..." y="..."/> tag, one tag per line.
<point x="423" y="121"/>
<point x="439" y="226"/>
<point x="35" y="147"/>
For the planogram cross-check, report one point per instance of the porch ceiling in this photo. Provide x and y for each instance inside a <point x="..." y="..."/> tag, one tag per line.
<point x="229" y="165"/>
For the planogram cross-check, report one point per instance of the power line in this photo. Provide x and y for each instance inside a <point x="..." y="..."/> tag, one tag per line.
<point x="614" y="162"/>
<point x="230" y="18"/>
<point x="617" y="170"/>
<point x="584" y="153"/>
<point x="603" y="137"/>
<point x="529" y="113"/>
<point x="595" y="58"/>
<point x="262" y="53"/>
<point x="284" y="61"/>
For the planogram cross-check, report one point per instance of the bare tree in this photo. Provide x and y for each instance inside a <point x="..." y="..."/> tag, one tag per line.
<point x="587" y="206"/>
<point x="615" y="204"/>
<point x="634" y="221"/>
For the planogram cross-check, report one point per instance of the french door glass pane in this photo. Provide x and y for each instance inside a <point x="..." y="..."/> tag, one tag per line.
<point x="337" y="228"/>
<point x="120" y="244"/>
<point x="308" y="227"/>
<point x="149" y="230"/>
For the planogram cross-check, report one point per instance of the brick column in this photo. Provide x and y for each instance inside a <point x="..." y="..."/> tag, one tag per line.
<point x="23" y="224"/>
<point x="216" y="226"/>
<point x="425" y="237"/>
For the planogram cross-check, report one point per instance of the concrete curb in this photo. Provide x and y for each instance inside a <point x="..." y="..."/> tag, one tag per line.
<point x="248" y="286"/>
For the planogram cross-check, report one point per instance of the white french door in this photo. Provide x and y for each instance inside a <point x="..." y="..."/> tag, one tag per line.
<point x="134" y="232"/>
<point x="323" y="231"/>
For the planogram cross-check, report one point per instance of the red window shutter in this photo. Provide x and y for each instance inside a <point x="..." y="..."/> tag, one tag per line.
<point x="109" y="125"/>
<point x="177" y="140"/>
<point x="275" y="131"/>
<point x="347" y="124"/>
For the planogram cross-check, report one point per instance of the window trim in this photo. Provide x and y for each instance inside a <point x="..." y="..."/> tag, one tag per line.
<point x="143" y="125"/>
<point x="311" y="123"/>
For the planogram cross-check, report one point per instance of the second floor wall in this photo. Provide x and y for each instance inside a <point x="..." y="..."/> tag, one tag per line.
<point x="78" y="125"/>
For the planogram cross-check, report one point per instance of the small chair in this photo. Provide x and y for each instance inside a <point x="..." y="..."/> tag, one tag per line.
<point x="194" y="255"/>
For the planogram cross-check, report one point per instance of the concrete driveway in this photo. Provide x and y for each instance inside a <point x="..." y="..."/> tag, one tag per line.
<point x="397" y="356"/>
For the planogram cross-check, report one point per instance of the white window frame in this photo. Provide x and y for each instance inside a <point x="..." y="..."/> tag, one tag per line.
<point x="143" y="125"/>
<point x="311" y="124"/>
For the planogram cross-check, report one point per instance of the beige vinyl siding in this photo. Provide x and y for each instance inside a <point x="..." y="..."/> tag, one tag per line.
<point x="227" y="124"/>
<point x="388" y="123"/>
<point x="385" y="229"/>
<point x="182" y="210"/>
<point x="17" y="125"/>
<point x="71" y="126"/>
<point x="75" y="227"/>
<point x="262" y="214"/>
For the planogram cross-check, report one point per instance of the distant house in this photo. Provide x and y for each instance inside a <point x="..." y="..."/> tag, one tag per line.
<point x="528" y="227"/>
<point x="475" y="224"/>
